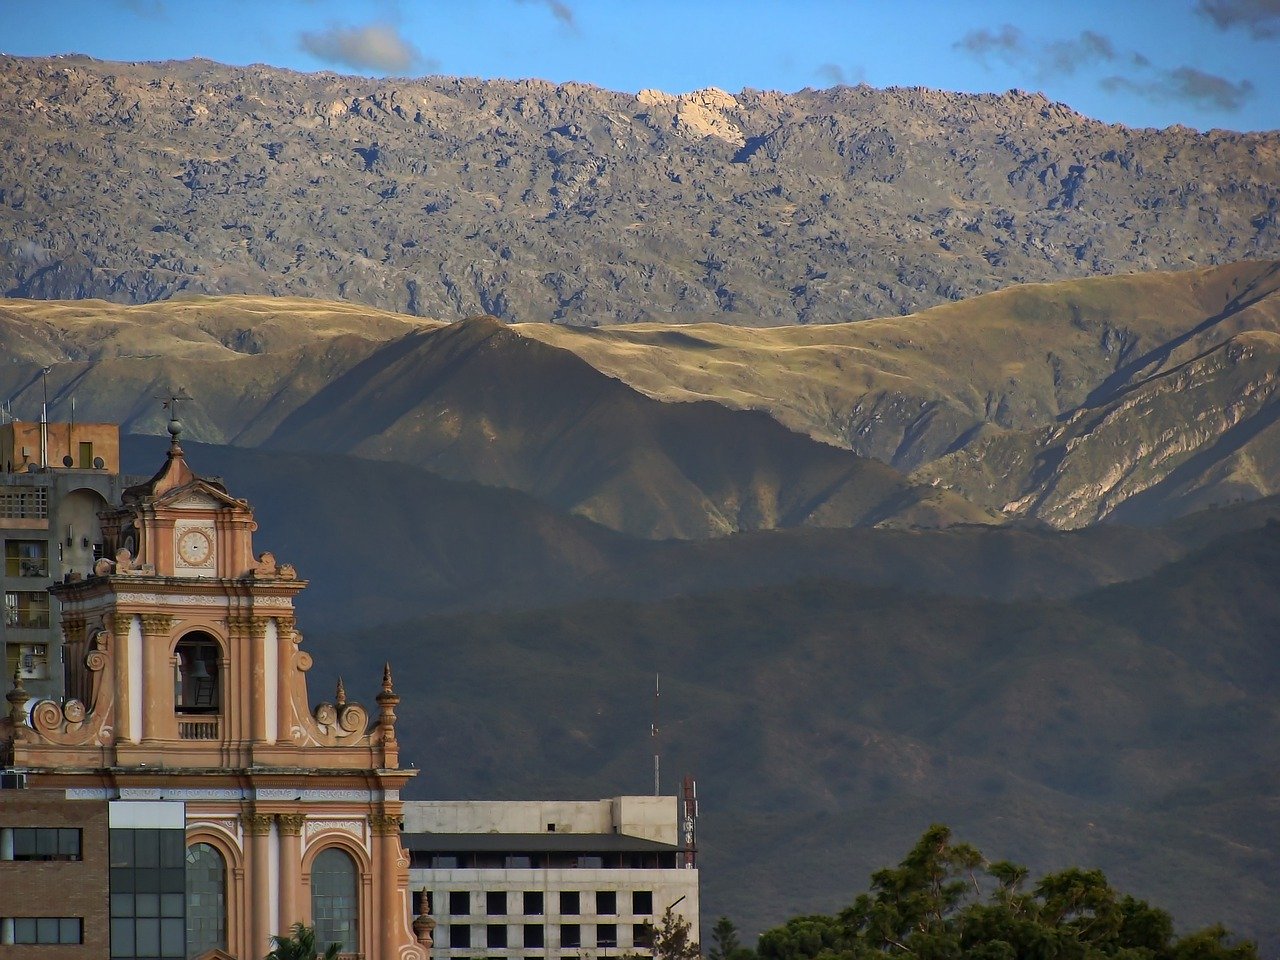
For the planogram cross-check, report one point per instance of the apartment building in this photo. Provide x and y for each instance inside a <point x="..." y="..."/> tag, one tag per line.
<point x="55" y="478"/>
<point x="512" y="879"/>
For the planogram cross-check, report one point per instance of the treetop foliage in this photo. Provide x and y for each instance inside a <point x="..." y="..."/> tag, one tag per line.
<point x="945" y="901"/>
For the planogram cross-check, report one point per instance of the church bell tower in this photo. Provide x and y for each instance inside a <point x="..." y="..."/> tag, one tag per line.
<point x="187" y="684"/>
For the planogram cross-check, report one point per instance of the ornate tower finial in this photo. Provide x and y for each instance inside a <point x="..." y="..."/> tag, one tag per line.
<point x="424" y="924"/>
<point x="17" y="698"/>
<point x="175" y="425"/>
<point x="387" y="701"/>
<point x="340" y="695"/>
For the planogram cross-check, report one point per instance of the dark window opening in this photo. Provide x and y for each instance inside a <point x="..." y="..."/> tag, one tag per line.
<point x="196" y="684"/>
<point x="533" y="935"/>
<point x="459" y="903"/>
<point x="495" y="903"/>
<point x="533" y="903"/>
<point x="570" y="902"/>
<point x="642" y="902"/>
<point x="642" y="935"/>
<point x="607" y="902"/>
<point x="607" y="935"/>
<point x="459" y="936"/>
<point x="570" y="935"/>
<point x="496" y="935"/>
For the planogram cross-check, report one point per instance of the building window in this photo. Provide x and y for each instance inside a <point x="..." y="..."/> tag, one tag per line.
<point x="496" y="935"/>
<point x="642" y="902"/>
<point x="570" y="902"/>
<point x="570" y="935"/>
<point x="518" y="862"/>
<point x="42" y="843"/>
<point x="459" y="936"/>
<point x="29" y="660"/>
<point x="642" y="935"/>
<point x="533" y="935"/>
<point x="607" y="935"/>
<point x="533" y="903"/>
<point x="196" y="681"/>
<point x="333" y="899"/>
<point x="495" y="903"/>
<point x="607" y="902"/>
<point x="26" y="558"/>
<point x="589" y="862"/>
<point x="47" y="930"/>
<point x="459" y="903"/>
<point x="148" y="893"/>
<point x="26" y="610"/>
<point x="206" y="899"/>
<point x="25" y="505"/>
<point x="444" y="863"/>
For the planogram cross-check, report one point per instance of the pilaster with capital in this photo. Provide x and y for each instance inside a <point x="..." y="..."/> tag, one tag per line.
<point x="290" y="825"/>
<point x="157" y="680"/>
<point x="257" y="827"/>
<point x="121" y="644"/>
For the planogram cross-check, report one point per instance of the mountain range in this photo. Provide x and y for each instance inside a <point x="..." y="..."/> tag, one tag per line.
<point x="925" y="443"/>
<point x="447" y="197"/>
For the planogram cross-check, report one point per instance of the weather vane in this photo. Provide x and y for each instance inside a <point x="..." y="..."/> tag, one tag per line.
<point x="171" y="401"/>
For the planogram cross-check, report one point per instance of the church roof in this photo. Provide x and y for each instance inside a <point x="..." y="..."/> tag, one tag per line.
<point x="175" y="474"/>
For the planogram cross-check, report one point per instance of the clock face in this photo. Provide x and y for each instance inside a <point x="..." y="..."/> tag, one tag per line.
<point x="195" y="547"/>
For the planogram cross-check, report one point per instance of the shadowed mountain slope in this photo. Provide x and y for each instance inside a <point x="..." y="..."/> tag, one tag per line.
<point x="1135" y="728"/>
<point x="383" y="541"/>
<point x="474" y="400"/>
<point x="448" y="197"/>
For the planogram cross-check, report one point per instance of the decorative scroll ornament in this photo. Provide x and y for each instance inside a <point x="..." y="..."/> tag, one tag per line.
<point x="124" y="565"/>
<point x="72" y="723"/>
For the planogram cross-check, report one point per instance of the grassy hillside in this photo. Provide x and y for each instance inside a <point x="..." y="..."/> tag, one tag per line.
<point x="1136" y="399"/>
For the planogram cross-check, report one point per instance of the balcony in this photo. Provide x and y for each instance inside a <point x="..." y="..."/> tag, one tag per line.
<point x="197" y="727"/>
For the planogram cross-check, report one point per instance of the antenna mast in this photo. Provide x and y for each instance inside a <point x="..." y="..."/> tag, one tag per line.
<point x="653" y="734"/>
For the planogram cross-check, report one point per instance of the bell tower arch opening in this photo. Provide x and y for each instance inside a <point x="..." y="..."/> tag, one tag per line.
<point x="197" y="677"/>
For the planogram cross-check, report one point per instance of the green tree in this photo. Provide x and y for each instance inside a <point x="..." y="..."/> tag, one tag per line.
<point x="725" y="944"/>
<point x="672" y="939"/>
<point x="299" y="944"/>
<point x="945" y="901"/>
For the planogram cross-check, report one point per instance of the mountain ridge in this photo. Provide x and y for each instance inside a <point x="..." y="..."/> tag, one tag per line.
<point x="448" y="197"/>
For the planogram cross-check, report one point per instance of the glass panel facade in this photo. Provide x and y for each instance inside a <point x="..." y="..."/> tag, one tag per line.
<point x="334" y="910"/>
<point x="206" y="899"/>
<point x="148" y="894"/>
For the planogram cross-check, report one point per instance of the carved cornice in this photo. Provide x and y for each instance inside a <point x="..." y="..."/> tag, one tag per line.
<point x="291" y="823"/>
<point x="156" y="624"/>
<point x="385" y="823"/>
<point x="257" y="824"/>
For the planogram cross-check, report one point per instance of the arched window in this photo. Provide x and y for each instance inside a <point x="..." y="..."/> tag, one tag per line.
<point x="333" y="900"/>
<point x="196" y="683"/>
<point x="206" y="899"/>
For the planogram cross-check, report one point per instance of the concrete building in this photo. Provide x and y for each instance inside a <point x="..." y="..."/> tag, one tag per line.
<point x="234" y="807"/>
<point x="54" y="480"/>
<point x="551" y="879"/>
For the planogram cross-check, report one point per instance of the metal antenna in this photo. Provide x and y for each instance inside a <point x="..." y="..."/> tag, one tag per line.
<point x="653" y="733"/>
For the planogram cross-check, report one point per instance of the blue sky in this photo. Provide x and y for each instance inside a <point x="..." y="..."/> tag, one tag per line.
<point x="1203" y="63"/>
